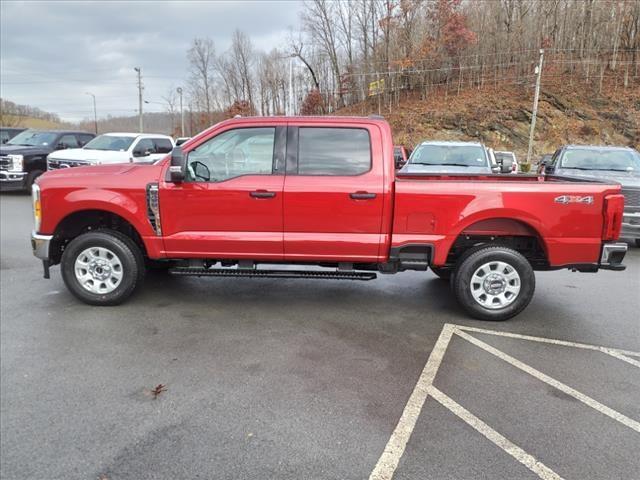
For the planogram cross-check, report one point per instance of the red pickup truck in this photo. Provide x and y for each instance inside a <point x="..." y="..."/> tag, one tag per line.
<point x="321" y="192"/>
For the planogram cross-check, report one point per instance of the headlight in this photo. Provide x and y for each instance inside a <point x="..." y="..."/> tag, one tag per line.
<point x="17" y="162"/>
<point x="37" y="207"/>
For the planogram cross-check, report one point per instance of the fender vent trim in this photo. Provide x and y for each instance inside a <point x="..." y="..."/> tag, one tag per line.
<point x="153" y="207"/>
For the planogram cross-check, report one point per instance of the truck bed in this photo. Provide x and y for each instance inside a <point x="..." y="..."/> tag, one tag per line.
<point x="563" y="213"/>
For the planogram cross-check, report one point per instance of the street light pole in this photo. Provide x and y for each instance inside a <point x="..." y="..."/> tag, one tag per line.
<point x="291" y="85"/>
<point x="95" y="112"/>
<point x="534" y="113"/>
<point x="140" y="126"/>
<point x="179" y="90"/>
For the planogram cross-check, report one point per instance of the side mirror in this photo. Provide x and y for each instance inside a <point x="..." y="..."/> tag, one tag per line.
<point x="178" y="165"/>
<point x="61" y="146"/>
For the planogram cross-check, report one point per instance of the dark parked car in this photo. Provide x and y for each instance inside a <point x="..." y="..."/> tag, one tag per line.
<point x="620" y="164"/>
<point x="7" y="133"/>
<point x="24" y="157"/>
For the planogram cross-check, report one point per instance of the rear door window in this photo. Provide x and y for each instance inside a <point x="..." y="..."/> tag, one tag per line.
<point x="84" y="138"/>
<point x="163" y="145"/>
<point x="68" y="141"/>
<point x="333" y="151"/>
<point x="144" y="145"/>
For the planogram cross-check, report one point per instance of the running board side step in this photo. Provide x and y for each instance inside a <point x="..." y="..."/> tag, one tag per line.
<point x="232" y="272"/>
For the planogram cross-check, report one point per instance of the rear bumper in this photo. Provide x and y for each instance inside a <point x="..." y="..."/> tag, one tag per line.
<point x="630" y="225"/>
<point x="612" y="256"/>
<point x="10" y="181"/>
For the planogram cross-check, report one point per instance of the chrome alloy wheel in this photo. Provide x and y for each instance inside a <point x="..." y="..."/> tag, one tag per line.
<point x="495" y="285"/>
<point x="98" y="270"/>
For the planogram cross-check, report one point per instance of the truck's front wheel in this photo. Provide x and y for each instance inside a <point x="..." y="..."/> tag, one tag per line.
<point x="102" y="267"/>
<point x="494" y="283"/>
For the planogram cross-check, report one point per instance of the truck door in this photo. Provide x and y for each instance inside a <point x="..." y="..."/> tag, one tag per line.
<point x="333" y="193"/>
<point x="230" y="204"/>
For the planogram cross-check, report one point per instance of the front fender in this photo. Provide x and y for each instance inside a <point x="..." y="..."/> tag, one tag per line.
<point x="56" y="207"/>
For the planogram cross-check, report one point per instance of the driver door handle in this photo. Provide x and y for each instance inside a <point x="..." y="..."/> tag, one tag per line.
<point x="262" y="194"/>
<point x="362" y="195"/>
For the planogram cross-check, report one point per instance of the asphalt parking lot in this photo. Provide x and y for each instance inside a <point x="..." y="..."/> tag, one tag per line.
<point x="272" y="378"/>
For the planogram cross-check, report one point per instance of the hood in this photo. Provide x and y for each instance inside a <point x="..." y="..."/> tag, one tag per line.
<point x="89" y="170"/>
<point x="415" y="168"/>
<point x="95" y="156"/>
<point x="106" y="177"/>
<point x="626" y="179"/>
<point x="22" y="150"/>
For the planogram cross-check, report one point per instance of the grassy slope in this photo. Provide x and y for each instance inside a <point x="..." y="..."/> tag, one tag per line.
<point x="501" y="118"/>
<point x="29" y="122"/>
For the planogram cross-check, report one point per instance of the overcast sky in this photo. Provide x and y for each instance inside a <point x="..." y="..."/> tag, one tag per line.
<point x="51" y="52"/>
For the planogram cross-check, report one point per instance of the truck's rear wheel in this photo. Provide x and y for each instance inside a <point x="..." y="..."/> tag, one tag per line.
<point x="494" y="283"/>
<point x="102" y="267"/>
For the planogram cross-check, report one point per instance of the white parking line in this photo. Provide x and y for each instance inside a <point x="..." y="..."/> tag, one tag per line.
<point x="511" y="448"/>
<point x="388" y="461"/>
<point x="550" y="340"/>
<point x="390" y="458"/>
<point x="626" y="421"/>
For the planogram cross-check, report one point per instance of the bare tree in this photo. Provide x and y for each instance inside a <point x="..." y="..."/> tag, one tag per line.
<point x="201" y="58"/>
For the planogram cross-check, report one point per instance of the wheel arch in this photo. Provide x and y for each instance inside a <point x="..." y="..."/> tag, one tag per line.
<point x="521" y="234"/>
<point x="84" y="220"/>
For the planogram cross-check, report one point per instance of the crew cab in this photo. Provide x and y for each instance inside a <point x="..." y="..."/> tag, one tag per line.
<point x="320" y="193"/>
<point x="24" y="157"/>
<point x="114" y="148"/>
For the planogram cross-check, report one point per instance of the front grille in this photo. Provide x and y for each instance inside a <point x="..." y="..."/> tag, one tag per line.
<point x="58" y="164"/>
<point x="5" y="162"/>
<point x="631" y="197"/>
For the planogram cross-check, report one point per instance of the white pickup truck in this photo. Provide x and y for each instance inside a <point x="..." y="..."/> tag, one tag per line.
<point x="113" y="148"/>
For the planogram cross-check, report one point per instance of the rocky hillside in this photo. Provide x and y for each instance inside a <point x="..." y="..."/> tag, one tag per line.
<point x="501" y="118"/>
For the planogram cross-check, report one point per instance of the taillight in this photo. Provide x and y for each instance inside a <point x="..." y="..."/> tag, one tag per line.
<point x="613" y="211"/>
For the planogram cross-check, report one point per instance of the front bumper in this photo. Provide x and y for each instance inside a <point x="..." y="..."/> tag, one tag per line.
<point x="630" y="225"/>
<point x="40" y="245"/>
<point x="12" y="180"/>
<point x="612" y="256"/>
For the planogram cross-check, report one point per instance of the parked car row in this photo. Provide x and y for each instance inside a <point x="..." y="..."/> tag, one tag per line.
<point x="26" y="154"/>
<point x="606" y="163"/>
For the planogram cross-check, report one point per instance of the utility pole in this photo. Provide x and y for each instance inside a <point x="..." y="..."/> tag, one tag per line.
<point x="291" y="84"/>
<point x="534" y="113"/>
<point x="179" y="90"/>
<point x="141" y="127"/>
<point x="95" y="112"/>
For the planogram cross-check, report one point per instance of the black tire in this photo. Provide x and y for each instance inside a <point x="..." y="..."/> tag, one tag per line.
<point x="637" y="242"/>
<point x="462" y="288"/>
<point x="125" y="249"/>
<point x="443" y="273"/>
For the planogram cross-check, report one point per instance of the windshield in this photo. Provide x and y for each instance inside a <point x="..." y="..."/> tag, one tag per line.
<point x="462" y="155"/>
<point x="109" y="142"/>
<point x="30" y="138"/>
<point x="594" y="159"/>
